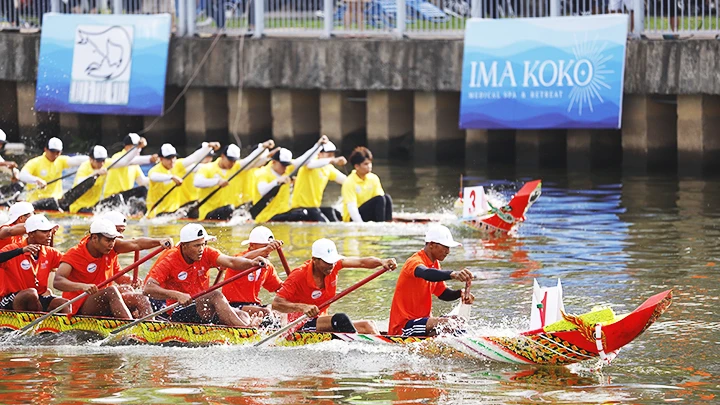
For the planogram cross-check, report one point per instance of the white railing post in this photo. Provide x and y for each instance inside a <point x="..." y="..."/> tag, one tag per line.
<point x="117" y="7"/>
<point x="259" y="18"/>
<point x="328" y="18"/>
<point x="639" y="18"/>
<point x="476" y="9"/>
<point x="54" y="6"/>
<point x="554" y="8"/>
<point x="401" y="19"/>
<point x="191" y="15"/>
<point x="181" y="18"/>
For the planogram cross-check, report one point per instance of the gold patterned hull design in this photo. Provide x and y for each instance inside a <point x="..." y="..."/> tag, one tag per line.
<point x="508" y="218"/>
<point x="578" y="343"/>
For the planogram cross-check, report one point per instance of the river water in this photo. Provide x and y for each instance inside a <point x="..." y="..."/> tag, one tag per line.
<point x="612" y="239"/>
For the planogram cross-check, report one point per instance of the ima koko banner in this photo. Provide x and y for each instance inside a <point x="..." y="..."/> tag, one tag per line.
<point x="103" y="64"/>
<point x="564" y="72"/>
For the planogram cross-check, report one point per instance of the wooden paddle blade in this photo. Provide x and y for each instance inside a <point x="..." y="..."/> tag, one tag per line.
<point x="256" y="209"/>
<point x="76" y="192"/>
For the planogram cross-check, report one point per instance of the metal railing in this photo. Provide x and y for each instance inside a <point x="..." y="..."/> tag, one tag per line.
<point x="397" y="18"/>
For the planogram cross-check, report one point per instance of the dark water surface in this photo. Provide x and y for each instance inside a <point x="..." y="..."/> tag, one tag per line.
<point x="612" y="239"/>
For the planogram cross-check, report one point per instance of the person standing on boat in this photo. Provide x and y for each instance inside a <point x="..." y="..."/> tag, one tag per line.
<point x="244" y="293"/>
<point x="13" y="229"/>
<point x="278" y="173"/>
<point x="96" y="166"/>
<point x="183" y="271"/>
<point x="93" y="261"/>
<point x="49" y="166"/>
<point x="123" y="179"/>
<point x="311" y="182"/>
<point x="168" y="173"/>
<point x="26" y="277"/>
<point x="216" y="174"/>
<point x="420" y="279"/>
<point x="315" y="282"/>
<point x="364" y="199"/>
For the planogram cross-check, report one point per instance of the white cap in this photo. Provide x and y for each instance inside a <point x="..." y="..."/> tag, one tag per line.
<point x="55" y="144"/>
<point x="38" y="223"/>
<point x="232" y="152"/>
<point x="116" y="217"/>
<point x="193" y="232"/>
<point x="167" y="150"/>
<point x="325" y="250"/>
<point x="104" y="227"/>
<point x="283" y="156"/>
<point x="440" y="234"/>
<point x="329" y="147"/>
<point x="3" y="137"/>
<point x="260" y="235"/>
<point x="99" y="152"/>
<point x="134" y="138"/>
<point x="17" y="210"/>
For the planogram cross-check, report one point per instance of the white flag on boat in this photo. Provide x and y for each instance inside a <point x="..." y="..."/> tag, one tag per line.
<point x="546" y="305"/>
<point x="475" y="202"/>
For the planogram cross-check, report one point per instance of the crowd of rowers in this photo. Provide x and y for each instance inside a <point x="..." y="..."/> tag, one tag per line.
<point x="202" y="188"/>
<point x="31" y="269"/>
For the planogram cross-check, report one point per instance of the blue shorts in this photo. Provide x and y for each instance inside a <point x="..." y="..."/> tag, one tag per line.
<point x="309" y="326"/>
<point x="415" y="327"/>
<point x="45" y="301"/>
<point x="6" y="302"/>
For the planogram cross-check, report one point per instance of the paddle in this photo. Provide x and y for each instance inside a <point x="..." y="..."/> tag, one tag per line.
<point x="462" y="309"/>
<point x="257" y="208"/>
<point x="84" y="186"/>
<point x="193" y="297"/>
<point x="192" y="209"/>
<point x="284" y="261"/>
<point x="136" y="270"/>
<point x="84" y="294"/>
<point x="322" y="306"/>
<point x="176" y="185"/>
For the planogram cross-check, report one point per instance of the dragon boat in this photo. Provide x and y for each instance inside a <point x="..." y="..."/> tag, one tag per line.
<point x="596" y="334"/>
<point x="481" y="214"/>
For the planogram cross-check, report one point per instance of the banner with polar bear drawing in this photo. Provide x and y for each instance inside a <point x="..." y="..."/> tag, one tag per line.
<point x="538" y="73"/>
<point x="103" y="64"/>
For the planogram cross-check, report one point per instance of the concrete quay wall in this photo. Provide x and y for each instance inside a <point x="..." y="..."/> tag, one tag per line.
<point x="400" y="97"/>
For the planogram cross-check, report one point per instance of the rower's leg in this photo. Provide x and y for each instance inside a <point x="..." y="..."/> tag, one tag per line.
<point x="137" y="302"/>
<point x="335" y="323"/>
<point x="255" y="310"/>
<point x="388" y="208"/>
<point x="367" y="327"/>
<point x="215" y="303"/>
<point x="107" y="301"/>
<point x="56" y="302"/>
<point x="27" y="300"/>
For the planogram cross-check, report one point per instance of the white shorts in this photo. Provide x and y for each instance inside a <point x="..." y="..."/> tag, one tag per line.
<point x="617" y="5"/>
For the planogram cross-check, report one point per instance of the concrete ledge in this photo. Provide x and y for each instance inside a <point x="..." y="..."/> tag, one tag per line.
<point x="653" y="66"/>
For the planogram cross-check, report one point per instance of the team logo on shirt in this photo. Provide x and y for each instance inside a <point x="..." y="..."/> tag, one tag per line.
<point x="251" y="276"/>
<point x="43" y="172"/>
<point x="358" y="189"/>
<point x="183" y="275"/>
<point x="316" y="294"/>
<point x="91" y="267"/>
<point x="25" y="264"/>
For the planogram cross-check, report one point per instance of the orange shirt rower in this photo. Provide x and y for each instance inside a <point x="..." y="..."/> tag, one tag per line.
<point x="182" y="272"/>
<point x="420" y="279"/>
<point x="244" y="293"/>
<point x="315" y="282"/>
<point x="24" y="279"/>
<point x="13" y="229"/>
<point x="93" y="261"/>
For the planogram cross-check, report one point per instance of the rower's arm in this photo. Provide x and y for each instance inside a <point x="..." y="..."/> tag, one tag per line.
<point x="264" y="187"/>
<point x="369" y="262"/>
<point x="141" y="160"/>
<point x="62" y="283"/>
<point x="77" y="160"/>
<point x="26" y="177"/>
<point x="10" y="254"/>
<point x="255" y="153"/>
<point x="318" y="163"/>
<point x="432" y="275"/>
<point x="198" y="155"/>
<point x="160" y="177"/>
<point x="153" y="290"/>
<point x="450" y="295"/>
<point x="201" y="181"/>
<point x="239" y="263"/>
<point x="131" y="245"/>
<point x="141" y="179"/>
<point x="15" y="230"/>
<point x="280" y="304"/>
<point x="125" y="160"/>
<point x="312" y="152"/>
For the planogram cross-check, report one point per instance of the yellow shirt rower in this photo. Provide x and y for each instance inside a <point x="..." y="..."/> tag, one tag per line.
<point x="311" y="182"/>
<point x="169" y="172"/>
<point x="363" y="196"/>
<point x="277" y="173"/>
<point x="124" y="178"/>
<point x="40" y="170"/>
<point x="97" y="165"/>
<point x="216" y="174"/>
